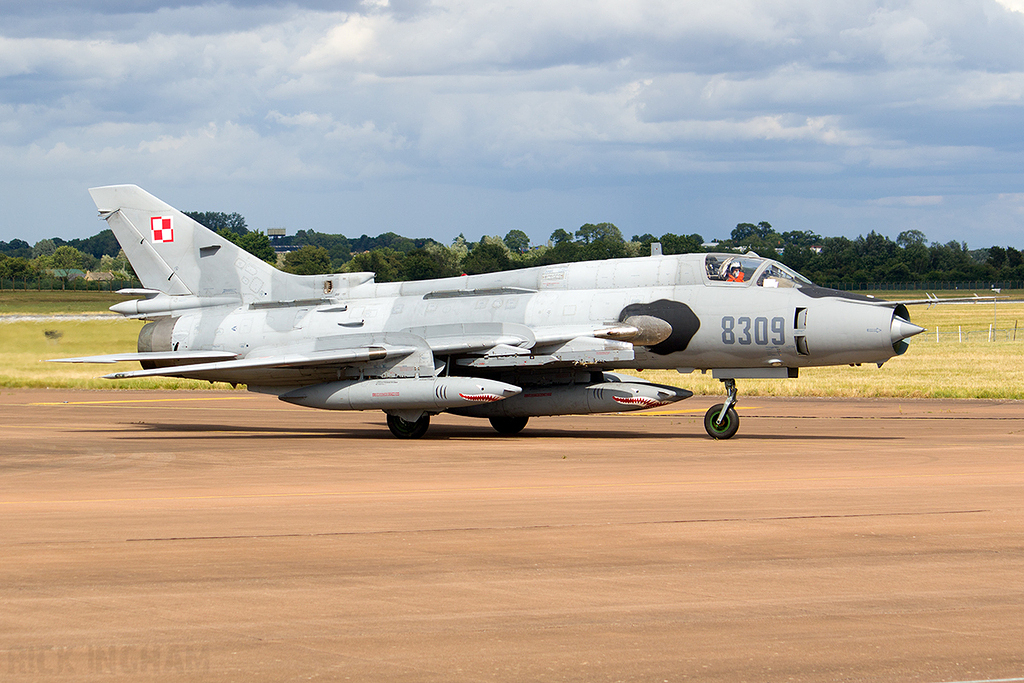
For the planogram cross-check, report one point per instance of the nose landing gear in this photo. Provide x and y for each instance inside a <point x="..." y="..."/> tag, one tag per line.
<point x="721" y="420"/>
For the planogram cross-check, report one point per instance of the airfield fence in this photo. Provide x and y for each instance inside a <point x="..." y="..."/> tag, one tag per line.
<point x="51" y="284"/>
<point x="931" y="286"/>
<point x="958" y="335"/>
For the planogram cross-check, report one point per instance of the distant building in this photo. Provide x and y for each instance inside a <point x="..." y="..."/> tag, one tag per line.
<point x="718" y="247"/>
<point x="101" y="276"/>
<point x="66" y="273"/>
<point x="277" y="236"/>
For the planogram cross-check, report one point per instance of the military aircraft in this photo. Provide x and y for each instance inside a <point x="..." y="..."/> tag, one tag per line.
<point x="506" y="346"/>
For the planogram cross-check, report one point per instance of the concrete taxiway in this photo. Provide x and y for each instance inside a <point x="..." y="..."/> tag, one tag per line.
<point x="228" y="536"/>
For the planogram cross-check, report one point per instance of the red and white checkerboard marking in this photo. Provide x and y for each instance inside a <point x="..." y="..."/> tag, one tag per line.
<point x="162" y="230"/>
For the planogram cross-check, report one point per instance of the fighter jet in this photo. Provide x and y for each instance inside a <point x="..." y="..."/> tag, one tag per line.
<point x="505" y="346"/>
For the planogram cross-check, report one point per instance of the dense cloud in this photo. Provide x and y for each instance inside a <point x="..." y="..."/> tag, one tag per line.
<point x="434" y="118"/>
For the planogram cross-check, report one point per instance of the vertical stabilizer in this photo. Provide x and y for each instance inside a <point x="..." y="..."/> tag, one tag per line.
<point x="174" y="254"/>
<point x="118" y="204"/>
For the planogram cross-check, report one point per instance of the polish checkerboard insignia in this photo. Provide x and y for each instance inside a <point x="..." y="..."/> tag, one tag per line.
<point x="162" y="229"/>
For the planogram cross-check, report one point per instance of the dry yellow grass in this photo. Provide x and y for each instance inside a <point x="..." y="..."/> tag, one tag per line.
<point x="25" y="345"/>
<point x="30" y="301"/>
<point x="977" y="370"/>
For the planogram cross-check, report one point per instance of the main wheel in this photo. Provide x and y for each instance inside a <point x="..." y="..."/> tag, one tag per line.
<point x="729" y="425"/>
<point x="404" y="429"/>
<point x="509" y="425"/>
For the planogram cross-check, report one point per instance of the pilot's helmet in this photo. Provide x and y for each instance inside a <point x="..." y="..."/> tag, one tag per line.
<point x="734" y="268"/>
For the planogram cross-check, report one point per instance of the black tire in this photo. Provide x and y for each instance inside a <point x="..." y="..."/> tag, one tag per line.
<point x="404" y="429"/>
<point x="727" y="429"/>
<point x="509" y="425"/>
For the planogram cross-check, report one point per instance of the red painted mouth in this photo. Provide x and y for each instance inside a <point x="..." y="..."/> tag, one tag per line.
<point x="640" y="401"/>
<point x="482" y="398"/>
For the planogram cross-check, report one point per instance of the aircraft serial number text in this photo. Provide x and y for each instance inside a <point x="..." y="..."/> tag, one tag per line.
<point x="758" y="331"/>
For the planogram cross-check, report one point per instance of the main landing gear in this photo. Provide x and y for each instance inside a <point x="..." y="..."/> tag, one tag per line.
<point x="509" y="425"/>
<point x="414" y="429"/>
<point x="721" y="420"/>
<point x="408" y="429"/>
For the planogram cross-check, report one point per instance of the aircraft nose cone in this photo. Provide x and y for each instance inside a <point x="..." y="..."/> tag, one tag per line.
<point x="903" y="329"/>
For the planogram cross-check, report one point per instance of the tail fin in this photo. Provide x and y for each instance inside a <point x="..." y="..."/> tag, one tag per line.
<point x="174" y="254"/>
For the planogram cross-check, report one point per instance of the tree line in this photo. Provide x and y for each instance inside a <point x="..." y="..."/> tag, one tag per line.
<point x="872" y="258"/>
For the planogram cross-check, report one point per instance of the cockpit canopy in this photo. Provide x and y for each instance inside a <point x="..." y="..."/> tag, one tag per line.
<point x="751" y="268"/>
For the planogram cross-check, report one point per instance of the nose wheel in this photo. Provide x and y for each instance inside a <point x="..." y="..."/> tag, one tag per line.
<point x="721" y="420"/>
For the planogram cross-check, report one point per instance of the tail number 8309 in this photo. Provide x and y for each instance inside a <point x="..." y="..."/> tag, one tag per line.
<point x="758" y="331"/>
